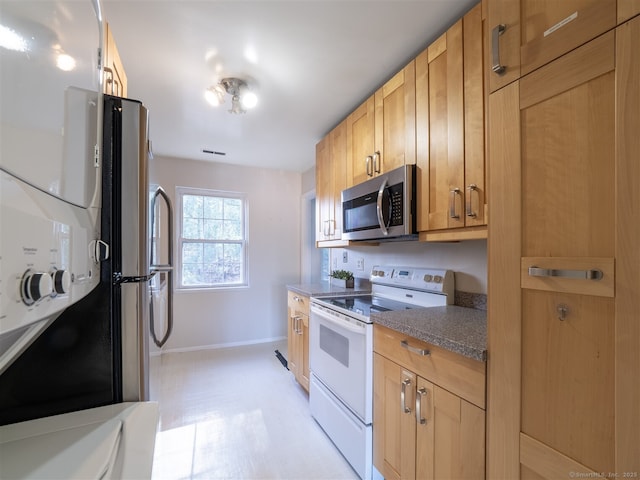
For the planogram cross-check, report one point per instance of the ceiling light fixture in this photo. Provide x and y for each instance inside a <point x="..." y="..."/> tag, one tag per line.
<point x="242" y="98"/>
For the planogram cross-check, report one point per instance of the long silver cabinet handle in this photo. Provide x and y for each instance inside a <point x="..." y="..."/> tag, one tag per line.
<point x="452" y="202"/>
<point x="420" y="351"/>
<point x="369" y="165"/>
<point x="376" y="162"/>
<point x="422" y="392"/>
<point x="471" y="188"/>
<point x="403" y="395"/>
<point x="593" y="274"/>
<point x="496" y="66"/>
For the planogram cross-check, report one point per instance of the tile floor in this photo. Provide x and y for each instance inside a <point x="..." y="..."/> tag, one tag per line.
<point x="237" y="413"/>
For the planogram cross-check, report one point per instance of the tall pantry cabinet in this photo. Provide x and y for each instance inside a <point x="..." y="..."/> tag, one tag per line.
<point x="564" y="256"/>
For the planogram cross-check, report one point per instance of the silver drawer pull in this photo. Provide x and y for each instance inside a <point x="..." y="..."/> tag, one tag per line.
<point x="420" y="351"/>
<point x="593" y="274"/>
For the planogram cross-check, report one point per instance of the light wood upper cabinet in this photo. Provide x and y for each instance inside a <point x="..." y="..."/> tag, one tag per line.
<point x="331" y="153"/>
<point x="564" y="346"/>
<point x="420" y="429"/>
<point x="381" y="131"/>
<point x="450" y="112"/>
<point x="114" y="77"/>
<point x="527" y="34"/>
<point x="361" y="142"/>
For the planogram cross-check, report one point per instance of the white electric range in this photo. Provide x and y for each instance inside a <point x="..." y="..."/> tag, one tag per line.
<point x="341" y="352"/>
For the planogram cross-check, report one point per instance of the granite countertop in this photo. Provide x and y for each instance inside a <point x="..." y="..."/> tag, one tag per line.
<point x="457" y="329"/>
<point x="322" y="289"/>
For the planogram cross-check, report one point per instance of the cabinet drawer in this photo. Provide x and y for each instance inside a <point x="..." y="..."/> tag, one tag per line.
<point x="458" y="374"/>
<point x="298" y="303"/>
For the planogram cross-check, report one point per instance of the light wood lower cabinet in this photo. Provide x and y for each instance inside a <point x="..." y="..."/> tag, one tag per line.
<point x="422" y="430"/>
<point x="298" y="338"/>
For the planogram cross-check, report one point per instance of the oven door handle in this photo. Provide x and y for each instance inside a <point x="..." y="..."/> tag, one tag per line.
<point x="379" y="210"/>
<point x="344" y="325"/>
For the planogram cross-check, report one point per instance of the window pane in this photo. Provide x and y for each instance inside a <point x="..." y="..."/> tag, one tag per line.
<point x="192" y="206"/>
<point x="232" y="209"/>
<point x="233" y="263"/>
<point x="192" y="228"/>
<point x="213" y="229"/>
<point x="213" y="207"/>
<point x="192" y="253"/>
<point x="232" y="230"/>
<point x="191" y="274"/>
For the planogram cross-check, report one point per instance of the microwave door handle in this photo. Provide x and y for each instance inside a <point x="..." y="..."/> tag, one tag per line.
<point x="381" y="221"/>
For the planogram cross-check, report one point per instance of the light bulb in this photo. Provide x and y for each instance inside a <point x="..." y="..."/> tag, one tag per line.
<point x="249" y="99"/>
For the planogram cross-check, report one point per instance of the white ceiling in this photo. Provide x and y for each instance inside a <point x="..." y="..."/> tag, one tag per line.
<point x="313" y="61"/>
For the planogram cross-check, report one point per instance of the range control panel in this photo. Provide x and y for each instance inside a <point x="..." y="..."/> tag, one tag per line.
<point x="423" y="279"/>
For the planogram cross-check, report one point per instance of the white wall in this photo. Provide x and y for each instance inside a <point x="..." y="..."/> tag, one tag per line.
<point x="467" y="259"/>
<point x="245" y="315"/>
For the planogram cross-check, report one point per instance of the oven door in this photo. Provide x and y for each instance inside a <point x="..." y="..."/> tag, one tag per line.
<point x="341" y="357"/>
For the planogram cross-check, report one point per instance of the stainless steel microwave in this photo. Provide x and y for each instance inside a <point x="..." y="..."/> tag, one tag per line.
<point x="382" y="208"/>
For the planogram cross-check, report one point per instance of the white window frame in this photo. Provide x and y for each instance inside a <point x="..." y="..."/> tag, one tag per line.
<point x="180" y="241"/>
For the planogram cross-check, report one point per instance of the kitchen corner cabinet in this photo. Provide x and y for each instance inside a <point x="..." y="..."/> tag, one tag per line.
<point x="331" y="157"/>
<point x="381" y="133"/>
<point x="298" y="338"/>
<point x="114" y="80"/>
<point x="526" y="34"/>
<point x="563" y="326"/>
<point x="428" y="410"/>
<point x="450" y="112"/>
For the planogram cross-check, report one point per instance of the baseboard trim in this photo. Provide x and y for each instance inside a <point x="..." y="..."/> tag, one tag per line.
<point x="219" y="346"/>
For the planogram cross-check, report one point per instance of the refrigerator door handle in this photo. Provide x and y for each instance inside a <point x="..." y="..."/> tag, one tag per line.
<point x="166" y="268"/>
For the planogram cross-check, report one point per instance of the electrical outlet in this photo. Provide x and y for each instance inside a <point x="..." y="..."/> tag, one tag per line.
<point x="345" y="257"/>
<point x="360" y="264"/>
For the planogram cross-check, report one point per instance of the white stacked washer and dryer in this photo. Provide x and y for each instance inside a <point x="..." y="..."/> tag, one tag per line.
<point x="61" y="396"/>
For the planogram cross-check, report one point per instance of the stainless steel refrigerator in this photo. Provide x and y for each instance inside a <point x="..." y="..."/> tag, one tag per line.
<point x="97" y="351"/>
<point x="141" y="247"/>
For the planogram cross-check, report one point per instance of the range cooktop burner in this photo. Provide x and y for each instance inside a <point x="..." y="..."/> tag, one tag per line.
<point x="364" y="304"/>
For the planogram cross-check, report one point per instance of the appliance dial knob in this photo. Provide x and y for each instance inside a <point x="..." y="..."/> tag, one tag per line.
<point x="35" y="285"/>
<point x="61" y="281"/>
<point x="437" y="279"/>
<point x="428" y="278"/>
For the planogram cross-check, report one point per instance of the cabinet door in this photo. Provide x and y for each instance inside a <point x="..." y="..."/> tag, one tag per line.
<point x="339" y="172"/>
<point x="539" y="31"/>
<point x="115" y="78"/>
<point x="446" y="131"/>
<point x="303" y="352"/>
<point x="293" y="343"/>
<point x="567" y="112"/>
<point x="474" y="114"/>
<point x="569" y="330"/>
<point x="425" y="430"/>
<point x="395" y="121"/>
<point x="360" y="142"/>
<point x="459" y="437"/>
<point x="627" y="9"/>
<point x="394" y="423"/>
<point x="324" y="190"/>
